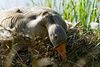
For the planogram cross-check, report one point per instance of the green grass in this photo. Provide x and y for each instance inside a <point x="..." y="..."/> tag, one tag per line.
<point x="84" y="12"/>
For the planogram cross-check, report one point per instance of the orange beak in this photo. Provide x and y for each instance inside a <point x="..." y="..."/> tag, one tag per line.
<point x="61" y="49"/>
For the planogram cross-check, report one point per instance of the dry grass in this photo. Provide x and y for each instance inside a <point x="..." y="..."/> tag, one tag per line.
<point x="83" y="50"/>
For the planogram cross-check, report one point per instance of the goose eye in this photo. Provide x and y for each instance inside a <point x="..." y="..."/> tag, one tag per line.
<point x="55" y="36"/>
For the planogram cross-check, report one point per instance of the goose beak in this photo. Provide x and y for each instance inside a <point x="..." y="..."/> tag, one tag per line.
<point x="61" y="49"/>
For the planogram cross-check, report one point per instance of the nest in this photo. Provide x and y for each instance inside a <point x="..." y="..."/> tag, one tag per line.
<point x="37" y="48"/>
<point x="83" y="50"/>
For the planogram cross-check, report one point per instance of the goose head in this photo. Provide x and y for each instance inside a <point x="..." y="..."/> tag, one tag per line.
<point x="57" y="37"/>
<point x="56" y="33"/>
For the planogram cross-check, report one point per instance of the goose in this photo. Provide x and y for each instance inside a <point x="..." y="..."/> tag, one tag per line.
<point x="48" y="22"/>
<point x="38" y="21"/>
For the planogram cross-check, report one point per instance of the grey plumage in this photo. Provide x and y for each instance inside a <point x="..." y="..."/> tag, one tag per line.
<point x="36" y="21"/>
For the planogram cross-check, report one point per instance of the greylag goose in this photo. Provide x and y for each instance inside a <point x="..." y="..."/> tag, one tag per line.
<point x="37" y="21"/>
<point x="47" y="19"/>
